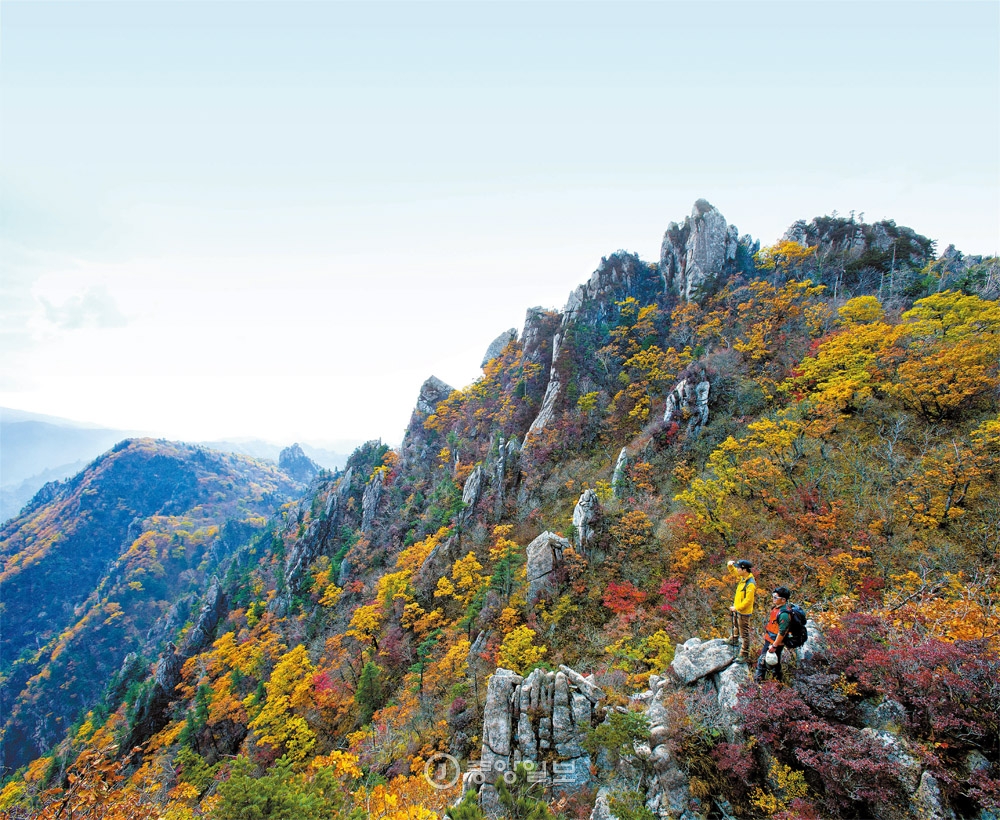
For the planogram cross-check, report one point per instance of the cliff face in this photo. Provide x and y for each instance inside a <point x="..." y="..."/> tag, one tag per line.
<point x="702" y="250"/>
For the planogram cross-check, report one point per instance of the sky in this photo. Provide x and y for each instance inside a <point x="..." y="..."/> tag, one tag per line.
<point x="277" y="219"/>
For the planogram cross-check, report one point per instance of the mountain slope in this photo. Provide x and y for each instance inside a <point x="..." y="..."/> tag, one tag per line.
<point x="572" y="512"/>
<point x="92" y="563"/>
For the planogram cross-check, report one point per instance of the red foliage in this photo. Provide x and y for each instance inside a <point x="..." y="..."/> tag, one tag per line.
<point x="623" y="599"/>
<point x="670" y="589"/>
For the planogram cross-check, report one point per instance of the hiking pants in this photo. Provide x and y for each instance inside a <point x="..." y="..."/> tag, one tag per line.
<point x="741" y="632"/>
<point x="762" y="668"/>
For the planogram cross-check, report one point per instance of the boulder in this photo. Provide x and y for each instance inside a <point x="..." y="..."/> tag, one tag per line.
<point x="926" y="802"/>
<point x="696" y="659"/>
<point x="586" y="514"/>
<point x="544" y="558"/>
<point x="589" y="690"/>
<point x="814" y="646"/>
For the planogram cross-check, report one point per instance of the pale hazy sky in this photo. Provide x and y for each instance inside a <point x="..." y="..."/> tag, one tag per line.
<point x="277" y="219"/>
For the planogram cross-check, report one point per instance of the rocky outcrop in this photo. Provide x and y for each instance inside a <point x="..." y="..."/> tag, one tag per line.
<point x="297" y="464"/>
<point x="696" y="659"/>
<point x="151" y="711"/>
<point x="498" y="345"/>
<point x="544" y="558"/>
<point x="701" y="250"/>
<point x="471" y="493"/>
<point x="618" y="484"/>
<point x="552" y="391"/>
<point x="370" y="499"/>
<point x="689" y="401"/>
<point x="437" y="564"/>
<point x="543" y="717"/>
<point x="586" y="516"/>
<point x="416" y="447"/>
<point x="432" y="393"/>
<point x="317" y="537"/>
<point x="504" y="469"/>
<point x="618" y="277"/>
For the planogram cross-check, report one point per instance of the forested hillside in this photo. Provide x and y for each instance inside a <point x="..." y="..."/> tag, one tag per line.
<point x="826" y="408"/>
<point x="111" y="562"/>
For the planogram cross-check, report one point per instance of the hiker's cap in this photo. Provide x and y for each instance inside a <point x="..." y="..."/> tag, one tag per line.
<point x="744" y="564"/>
<point x="783" y="592"/>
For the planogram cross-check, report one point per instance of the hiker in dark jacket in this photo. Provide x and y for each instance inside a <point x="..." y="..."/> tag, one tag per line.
<point x="778" y="624"/>
<point x="742" y="607"/>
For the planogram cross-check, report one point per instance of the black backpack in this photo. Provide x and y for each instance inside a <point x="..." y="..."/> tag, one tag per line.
<point x="797" y="632"/>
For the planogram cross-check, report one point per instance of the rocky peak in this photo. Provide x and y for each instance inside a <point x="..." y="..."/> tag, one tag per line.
<point x="617" y="277"/>
<point x="497" y="345"/>
<point x="297" y="464"/>
<point x="432" y="393"/>
<point x="703" y="248"/>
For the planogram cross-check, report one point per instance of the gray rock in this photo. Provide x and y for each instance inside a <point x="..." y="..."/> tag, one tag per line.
<point x="544" y="556"/>
<point x="895" y="750"/>
<point x="618" y="476"/>
<point x="552" y="391"/>
<point x="888" y="715"/>
<point x="814" y="647"/>
<point x="498" y="345"/>
<point x="727" y="683"/>
<point x="471" y="493"/>
<point x="617" y="277"/>
<point x="590" y="690"/>
<point x="689" y="400"/>
<point x="432" y="393"/>
<point x="370" y="500"/>
<point x="497" y="730"/>
<point x="695" y="659"/>
<point x="602" y="808"/>
<point x="562" y="719"/>
<point x="586" y="514"/>
<point x="703" y="248"/>
<point x="670" y="791"/>
<point x="297" y="464"/>
<point x="926" y="802"/>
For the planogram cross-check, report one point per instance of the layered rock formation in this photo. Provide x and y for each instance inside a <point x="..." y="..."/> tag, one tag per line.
<point x="701" y="249"/>
<point x="542" y="717"/>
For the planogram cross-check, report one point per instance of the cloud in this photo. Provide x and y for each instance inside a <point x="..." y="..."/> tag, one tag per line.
<point x="94" y="308"/>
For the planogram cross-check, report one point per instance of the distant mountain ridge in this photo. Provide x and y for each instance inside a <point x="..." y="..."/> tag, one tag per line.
<point x="36" y="448"/>
<point x="93" y="562"/>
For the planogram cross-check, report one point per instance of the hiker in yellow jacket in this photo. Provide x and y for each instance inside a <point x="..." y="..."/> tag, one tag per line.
<point x="742" y="607"/>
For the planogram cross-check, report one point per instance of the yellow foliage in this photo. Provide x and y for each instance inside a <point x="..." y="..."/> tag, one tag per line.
<point x="518" y="651"/>
<point x="289" y="689"/>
